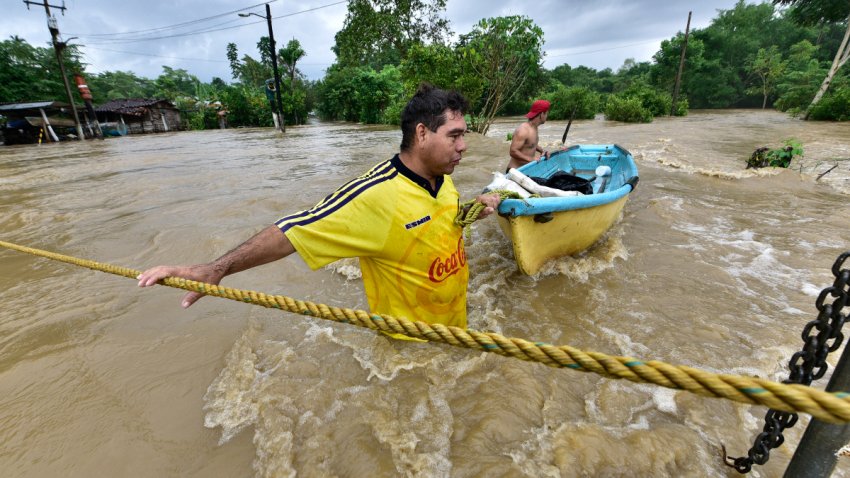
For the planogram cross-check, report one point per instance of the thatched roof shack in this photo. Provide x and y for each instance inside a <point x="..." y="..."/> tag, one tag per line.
<point x="141" y="115"/>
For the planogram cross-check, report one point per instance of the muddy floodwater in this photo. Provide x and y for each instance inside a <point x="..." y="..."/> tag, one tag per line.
<point x="710" y="266"/>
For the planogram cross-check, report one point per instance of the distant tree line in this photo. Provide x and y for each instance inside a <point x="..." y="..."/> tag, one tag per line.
<point x="782" y="55"/>
<point x="29" y="73"/>
<point x="765" y="55"/>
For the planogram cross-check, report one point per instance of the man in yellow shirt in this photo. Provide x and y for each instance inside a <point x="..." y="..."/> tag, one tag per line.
<point x="398" y="218"/>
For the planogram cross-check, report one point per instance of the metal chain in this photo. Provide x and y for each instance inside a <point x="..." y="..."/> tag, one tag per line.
<point x="820" y="336"/>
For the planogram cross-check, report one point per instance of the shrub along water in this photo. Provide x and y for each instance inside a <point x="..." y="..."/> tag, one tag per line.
<point x="777" y="158"/>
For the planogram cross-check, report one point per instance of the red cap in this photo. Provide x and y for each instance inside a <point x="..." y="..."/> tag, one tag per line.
<point x="539" y="106"/>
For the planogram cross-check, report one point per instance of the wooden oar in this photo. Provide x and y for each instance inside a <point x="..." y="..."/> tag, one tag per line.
<point x="569" y="123"/>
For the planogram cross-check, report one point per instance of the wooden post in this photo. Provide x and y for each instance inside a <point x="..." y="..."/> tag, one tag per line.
<point x="47" y="126"/>
<point x="681" y="66"/>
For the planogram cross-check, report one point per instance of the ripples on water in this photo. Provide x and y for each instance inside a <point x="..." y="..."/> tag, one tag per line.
<point x="710" y="266"/>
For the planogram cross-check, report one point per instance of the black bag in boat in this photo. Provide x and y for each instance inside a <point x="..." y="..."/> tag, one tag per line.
<point x="566" y="182"/>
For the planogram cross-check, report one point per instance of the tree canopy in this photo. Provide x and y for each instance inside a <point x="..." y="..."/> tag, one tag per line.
<point x="787" y="54"/>
<point x="380" y="32"/>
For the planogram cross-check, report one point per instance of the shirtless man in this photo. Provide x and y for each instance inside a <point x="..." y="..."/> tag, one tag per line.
<point x="524" y="145"/>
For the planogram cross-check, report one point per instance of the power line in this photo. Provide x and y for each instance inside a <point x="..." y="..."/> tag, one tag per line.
<point x="207" y="30"/>
<point x="168" y="27"/>
<point x="156" y="56"/>
<point x="602" y="49"/>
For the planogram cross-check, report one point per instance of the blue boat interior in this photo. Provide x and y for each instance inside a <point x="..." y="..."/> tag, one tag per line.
<point x="581" y="161"/>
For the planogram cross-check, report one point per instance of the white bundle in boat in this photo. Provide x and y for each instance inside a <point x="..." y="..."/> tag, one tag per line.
<point x="501" y="182"/>
<point x="534" y="188"/>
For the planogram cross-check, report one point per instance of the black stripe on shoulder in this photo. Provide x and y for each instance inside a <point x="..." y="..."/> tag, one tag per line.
<point x="312" y="215"/>
<point x="378" y="169"/>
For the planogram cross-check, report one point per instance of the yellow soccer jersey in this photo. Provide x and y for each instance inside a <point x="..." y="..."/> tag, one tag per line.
<point x="411" y="253"/>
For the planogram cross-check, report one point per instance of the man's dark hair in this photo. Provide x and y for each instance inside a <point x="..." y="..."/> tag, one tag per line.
<point x="428" y="107"/>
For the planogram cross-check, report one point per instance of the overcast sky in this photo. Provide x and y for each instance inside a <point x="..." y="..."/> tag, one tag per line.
<point x="598" y="34"/>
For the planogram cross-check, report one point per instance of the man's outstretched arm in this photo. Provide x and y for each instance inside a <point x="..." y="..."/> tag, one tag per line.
<point x="268" y="245"/>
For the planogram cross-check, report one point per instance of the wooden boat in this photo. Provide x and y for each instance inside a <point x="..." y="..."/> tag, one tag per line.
<point x="543" y="228"/>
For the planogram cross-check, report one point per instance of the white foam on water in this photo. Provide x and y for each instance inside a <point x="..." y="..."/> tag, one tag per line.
<point x="230" y="400"/>
<point x="670" y="203"/>
<point x="625" y="343"/>
<point x="665" y="399"/>
<point x="810" y="289"/>
<point x="665" y="155"/>
<point x="535" y="455"/>
<point x="599" y="258"/>
<point x="754" y="264"/>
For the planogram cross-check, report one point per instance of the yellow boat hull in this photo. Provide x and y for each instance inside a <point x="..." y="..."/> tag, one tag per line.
<point x="568" y="232"/>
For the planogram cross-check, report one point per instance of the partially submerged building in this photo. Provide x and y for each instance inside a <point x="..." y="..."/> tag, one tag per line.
<point x="138" y="116"/>
<point x="37" y="121"/>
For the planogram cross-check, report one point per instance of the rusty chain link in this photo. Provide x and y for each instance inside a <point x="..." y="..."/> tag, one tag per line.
<point x="821" y="337"/>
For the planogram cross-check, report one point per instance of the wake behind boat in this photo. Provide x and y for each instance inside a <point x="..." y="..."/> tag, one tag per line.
<point x="543" y="228"/>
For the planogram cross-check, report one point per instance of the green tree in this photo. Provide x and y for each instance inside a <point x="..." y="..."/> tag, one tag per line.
<point x="289" y="57"/>
<point x="584" y="76"/>
<point x="627" y="109"/>
<point x="361" y="94"/>
<point x="30" y="73"/>
<point x="718" y="59"/>
<point x="581" y="99"/>
<point x="803" y="75"/>
<point x="631" y="72"/>
<point x="264" y="47"/>
<point x="811" y="12"/>
<point x="663" y="72"/>
<point x="249" y="71"/>
<point x="380" y="32"/>
<point x="233" y="58"/>
<point x="441" y="66"/>
<point x="767" y="67"/>
<point x="173" y="84"/>
<point x="504" y="52"/>
<point x="113" y="85"/>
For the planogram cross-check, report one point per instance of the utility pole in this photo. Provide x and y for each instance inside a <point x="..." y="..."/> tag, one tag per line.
<point x="85" y="94"/>
<point x="273" y="53"/>
<point x="58" y="46"/>
<point x="274" y="67"/>
<point x="681" y="67"/>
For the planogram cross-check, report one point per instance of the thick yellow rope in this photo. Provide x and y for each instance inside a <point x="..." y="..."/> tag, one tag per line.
<point x="469" y="211"/>
<point x="830" y="407"/>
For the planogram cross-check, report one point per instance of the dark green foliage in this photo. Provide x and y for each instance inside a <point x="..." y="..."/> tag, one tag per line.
<point x="439" y="65"/>
<point x="682" y="107"/>
<point x="777" y="158"/>
<point x="505" y="54"/>
<point x="29" y="73"/>
<point x="113" y="85"/>
<point x="812" y="12"/>
<point x="751" y="55"/>
<point x="802" y="77"/>
<point x="361" y="94"/>
<point x="599" y="81"/>
<point x="833" y="107"/>
<point x="654" y="101"/>
<point x="627" y="109"/>
<point x="380" y="32"/>
<point x="585" y="102"/>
